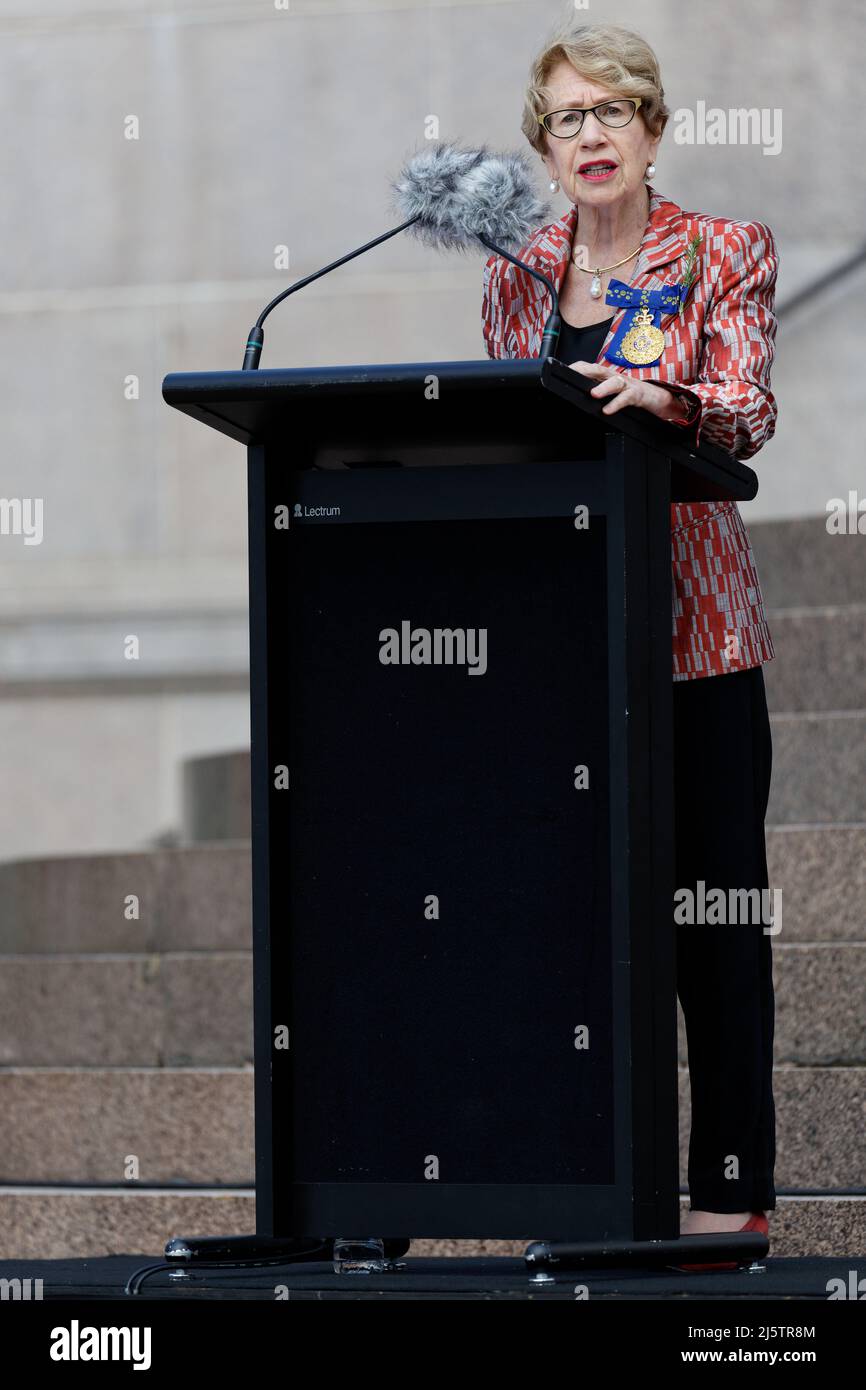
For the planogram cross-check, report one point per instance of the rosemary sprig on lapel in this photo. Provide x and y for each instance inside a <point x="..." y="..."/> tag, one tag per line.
<point x="690" y="272"/>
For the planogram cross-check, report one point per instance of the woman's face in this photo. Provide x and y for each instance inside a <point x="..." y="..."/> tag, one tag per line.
<point x="630" y="148"/>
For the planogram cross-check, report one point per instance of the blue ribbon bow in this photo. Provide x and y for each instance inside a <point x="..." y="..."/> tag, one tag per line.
<point x="667" y="300"/>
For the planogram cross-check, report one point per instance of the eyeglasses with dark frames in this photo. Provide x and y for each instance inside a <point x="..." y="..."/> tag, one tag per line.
<point x="565" y="124"/>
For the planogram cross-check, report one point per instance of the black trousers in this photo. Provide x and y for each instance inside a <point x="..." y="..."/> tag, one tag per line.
<point x="722" y="767"/>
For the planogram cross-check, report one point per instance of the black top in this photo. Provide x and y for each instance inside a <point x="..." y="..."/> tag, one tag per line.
<point x="581" y="344"/>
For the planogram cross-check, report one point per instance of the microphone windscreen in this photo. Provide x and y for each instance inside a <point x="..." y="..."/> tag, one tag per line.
<point x="456" y="194"/>
<point x="498" y="200"/>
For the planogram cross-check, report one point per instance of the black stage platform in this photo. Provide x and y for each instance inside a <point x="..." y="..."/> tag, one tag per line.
<point x="482" y="1278"/>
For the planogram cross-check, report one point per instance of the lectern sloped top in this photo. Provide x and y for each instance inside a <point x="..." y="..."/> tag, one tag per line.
<point x="426" y="413"/>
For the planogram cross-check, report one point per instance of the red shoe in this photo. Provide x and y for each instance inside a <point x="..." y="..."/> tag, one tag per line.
<point x="756" y="1222"/>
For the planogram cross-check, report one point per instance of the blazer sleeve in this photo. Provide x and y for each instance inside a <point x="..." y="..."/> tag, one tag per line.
<point x="737" y="408"/>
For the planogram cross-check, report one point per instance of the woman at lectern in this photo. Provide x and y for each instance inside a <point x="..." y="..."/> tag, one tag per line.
<point x="673" y="312"/>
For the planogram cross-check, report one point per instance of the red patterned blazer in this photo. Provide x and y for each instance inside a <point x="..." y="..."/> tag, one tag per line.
<point x="718" y="352"/>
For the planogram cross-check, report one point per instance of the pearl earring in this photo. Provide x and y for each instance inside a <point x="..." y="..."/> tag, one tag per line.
<point x="554" y="185"/>
<point x="650" y="171"/>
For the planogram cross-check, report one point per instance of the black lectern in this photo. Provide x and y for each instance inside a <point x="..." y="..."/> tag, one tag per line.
<point x="460" y="654"/>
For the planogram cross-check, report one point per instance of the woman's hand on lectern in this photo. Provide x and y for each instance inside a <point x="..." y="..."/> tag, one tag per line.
<point x="627" y="390"/>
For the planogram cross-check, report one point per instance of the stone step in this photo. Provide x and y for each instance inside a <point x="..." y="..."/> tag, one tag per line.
<point x="64" y="1125"/>
<point x="62" y="1223"/>
<point x="820" y="1137"/>
<point x="819" y="774"/>
<point x="819" y="659"/>
<point x="820" y="1019"/>
<point x="165" y="1010"/>
<point x="192" y="899"/>
<point x="821" y="872"/>
<point x="216" y="797"/>
<point x="196" y="1010"/>
<point x="800" y="565"/>
<point x="198" y="898"/>
<point x="819" y="768"/>
<point x="819" y="1016"/>
<point x="85" y="1125"/>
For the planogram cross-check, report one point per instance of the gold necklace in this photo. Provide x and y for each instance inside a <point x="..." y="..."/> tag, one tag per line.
<point x="595" y="287"/>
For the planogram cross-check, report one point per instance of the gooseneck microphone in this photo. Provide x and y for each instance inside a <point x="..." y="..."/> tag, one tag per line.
<point x="256" y="336"/>
<point x="456" y="198"/>
<point x="452" y="199"/>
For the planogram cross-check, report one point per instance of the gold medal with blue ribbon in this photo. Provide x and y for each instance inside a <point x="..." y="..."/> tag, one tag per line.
<point x="639" y="341"/>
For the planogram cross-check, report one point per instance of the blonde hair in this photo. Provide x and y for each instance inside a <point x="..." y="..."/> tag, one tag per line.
<point x="604" y="53"/>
